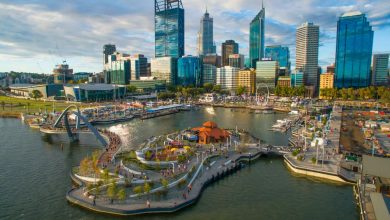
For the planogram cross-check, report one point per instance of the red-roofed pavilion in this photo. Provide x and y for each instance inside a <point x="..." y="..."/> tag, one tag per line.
<point x="210" y="133"/>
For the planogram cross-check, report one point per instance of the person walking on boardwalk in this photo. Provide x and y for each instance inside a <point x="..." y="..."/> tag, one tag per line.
<point x="148" y="203"/>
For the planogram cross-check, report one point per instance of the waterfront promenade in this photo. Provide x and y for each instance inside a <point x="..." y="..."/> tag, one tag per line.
<point x="176" y="199"/>
<point x="328" y="157"/>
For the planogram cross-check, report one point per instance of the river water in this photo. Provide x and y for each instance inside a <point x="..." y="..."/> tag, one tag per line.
<point x="34" y="174"/>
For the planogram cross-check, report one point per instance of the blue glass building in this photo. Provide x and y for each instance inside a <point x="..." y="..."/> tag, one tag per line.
<point x="169" y="28"/>
<point x="280" y="54"/>
<point x="189" y="71"/>
<point x="380" y="69"/>
<point x="296" y="79"/>
<point x="353" y="51"/>
<point x="256" y="38"/>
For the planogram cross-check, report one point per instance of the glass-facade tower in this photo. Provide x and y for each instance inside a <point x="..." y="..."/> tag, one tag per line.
<point x="280" y="54"/>
<point x="206" y="36"/>
<point x="169" y="28"/>
<point x="189" y="71"/>
<point x="380" y="70"/>
<point x="256" y="38"/>
<point x="353" y="51"/>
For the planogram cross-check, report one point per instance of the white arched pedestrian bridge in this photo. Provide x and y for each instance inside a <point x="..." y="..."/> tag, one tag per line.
<point x="65" y="117"/>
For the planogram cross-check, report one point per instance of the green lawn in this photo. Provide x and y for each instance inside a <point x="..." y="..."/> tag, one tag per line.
<point x="17" y="106"/>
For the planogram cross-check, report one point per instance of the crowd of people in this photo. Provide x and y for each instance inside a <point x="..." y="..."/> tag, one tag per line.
<point x="113" y="146"/>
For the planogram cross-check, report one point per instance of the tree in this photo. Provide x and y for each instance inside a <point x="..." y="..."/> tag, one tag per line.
<point x="121" y="194"/>
<point x="171" y="88"/>
<point x="164" y="183"/>
<point x="241" y="90"/>
<point x="112" y="191"/>
<point x="147" y="188"/>
<point x="217" y="88"/>
<point x="208" y="87"/>
<point x="3" y="104"/>
<point x="36" y="94"/>
<point x="138" y="190"/>
<point x="131" y="89"/>
<point x="343" y="93"/>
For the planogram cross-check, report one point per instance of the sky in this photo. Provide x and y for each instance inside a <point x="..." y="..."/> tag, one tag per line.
<point x="35" y="35"/>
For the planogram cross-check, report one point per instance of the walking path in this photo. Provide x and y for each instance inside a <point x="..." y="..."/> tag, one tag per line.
<point x="177" y="199"/>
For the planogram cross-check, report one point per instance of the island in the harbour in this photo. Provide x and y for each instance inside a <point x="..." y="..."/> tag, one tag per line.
<point x="166" y="173"/>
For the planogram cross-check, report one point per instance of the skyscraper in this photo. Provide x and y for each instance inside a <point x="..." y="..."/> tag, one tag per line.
<point x="227" y="77"/>
<point x="267" y="72"/>
<point x="118" y="69"/>
<point x="189" y="71"/>
<point x="307" y="42"/>
<point x="280" y="54"/>
<point x="380" y="72"/>
<point x="169" y="28"/>
<point x="229" y="47"/>
<point x="164" y="68"/>
<point x="212" y="59"/>
<point x="237" y="60"/>
<point x="108" y="49"/>
<point x="139" y="66"/>
<point x="256" y="37"/>
<point x="353" y="51"/>
<point x="209" y="74"/>
<point x="206" y="36"/>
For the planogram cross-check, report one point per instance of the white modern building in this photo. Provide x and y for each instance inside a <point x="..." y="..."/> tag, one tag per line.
<point x="164" y="68"/>
<point x="227" y="77"/>
<point x="307" y="43"/>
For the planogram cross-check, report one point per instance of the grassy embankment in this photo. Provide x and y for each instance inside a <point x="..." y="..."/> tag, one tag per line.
<point x="13" y="107"/>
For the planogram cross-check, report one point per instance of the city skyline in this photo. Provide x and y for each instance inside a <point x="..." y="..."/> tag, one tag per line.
<point x="38" y="42"/>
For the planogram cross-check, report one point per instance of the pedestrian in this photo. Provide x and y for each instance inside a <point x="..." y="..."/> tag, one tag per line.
<point x="94" y="201"/>
<point x="148" y="203"/>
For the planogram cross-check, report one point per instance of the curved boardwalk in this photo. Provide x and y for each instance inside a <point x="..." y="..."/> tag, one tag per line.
<point x="218" y="169"/>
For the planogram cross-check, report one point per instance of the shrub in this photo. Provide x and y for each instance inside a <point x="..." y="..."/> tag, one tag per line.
<point x="313" y="160"/>
<point x="295" y="152"/>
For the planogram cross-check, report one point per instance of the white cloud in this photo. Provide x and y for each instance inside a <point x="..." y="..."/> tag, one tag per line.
<point x="76" y="30"/>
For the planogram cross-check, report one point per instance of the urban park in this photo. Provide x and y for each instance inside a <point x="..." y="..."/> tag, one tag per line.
<point x="165" y="173"/>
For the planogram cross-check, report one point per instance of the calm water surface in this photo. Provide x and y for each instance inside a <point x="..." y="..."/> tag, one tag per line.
<point x="34" y="175"/>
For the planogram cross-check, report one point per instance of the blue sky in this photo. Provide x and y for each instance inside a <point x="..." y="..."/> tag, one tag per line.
<point x="37" y="34"/>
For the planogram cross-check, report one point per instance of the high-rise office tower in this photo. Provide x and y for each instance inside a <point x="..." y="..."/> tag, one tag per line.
<point x="108" y="49"/>
<point x="139" y="66"/>
<point x="237" y="60"/>
<point x="267" y="72"/>
<point x="212" y="59"/>
<point x="380" y="71"/>
<point x="353" y="51"/>
<point x="282" y="55"/>
<point x="189" y="71"/>
<point x="164" y="68"/>
<point x="227" y="77"/>
<point x="229" y="47"/>
<point x="209" y="74"/>
<point x="169" y="28"/>
<point x="307" y="42"/>
<point x="206" y="36"/>
<point x="118" y="69"/>
<point x="256" y="37"/>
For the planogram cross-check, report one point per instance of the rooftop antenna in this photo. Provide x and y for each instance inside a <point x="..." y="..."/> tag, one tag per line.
<point x="262" y="4"/>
